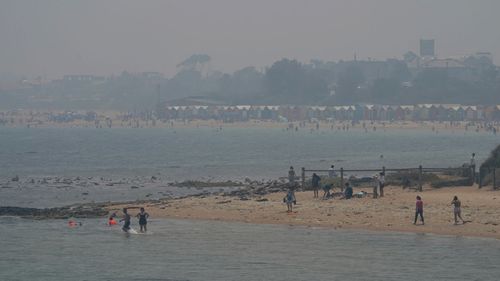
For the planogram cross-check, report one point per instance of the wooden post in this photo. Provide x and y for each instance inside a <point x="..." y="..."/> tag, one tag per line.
<point x="494" y="178"/>
<point x="303" y="177"/>
<point x="420" y="178"/>
<point x="480" y="184"/>
<point x="342" y="179"/>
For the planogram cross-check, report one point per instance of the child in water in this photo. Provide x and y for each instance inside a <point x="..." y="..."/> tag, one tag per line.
<point x="111" y="221"/>
<point x="143" y="219"/>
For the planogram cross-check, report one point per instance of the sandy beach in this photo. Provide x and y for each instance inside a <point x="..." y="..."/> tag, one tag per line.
<point x="394" y="212"/>
<point x="115" y="119"/>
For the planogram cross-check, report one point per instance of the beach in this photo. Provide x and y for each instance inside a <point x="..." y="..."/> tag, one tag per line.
<point x="394" y="212"/>
<point x="116" y="119"/>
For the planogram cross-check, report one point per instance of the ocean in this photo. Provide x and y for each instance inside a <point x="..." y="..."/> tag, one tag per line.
<point x="209" y="250"/>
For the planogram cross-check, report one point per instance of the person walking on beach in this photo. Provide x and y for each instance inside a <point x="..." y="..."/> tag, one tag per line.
<point x="143" y="220"/>
<point x="419" y="210"/>
<point x="457" y="212"/>
<point x="315" y="184"/>
<point x="289" y="199"/>
<point x="126" y="220"/>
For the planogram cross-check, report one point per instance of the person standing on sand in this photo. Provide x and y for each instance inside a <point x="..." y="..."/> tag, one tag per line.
<point x="419" y="210"/>
<point x="315" y="184"/>
<point x="289" y="199"/>
<point x="457" y="212"/>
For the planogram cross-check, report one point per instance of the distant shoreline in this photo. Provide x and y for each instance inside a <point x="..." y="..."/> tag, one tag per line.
<point x="115" y="120"/>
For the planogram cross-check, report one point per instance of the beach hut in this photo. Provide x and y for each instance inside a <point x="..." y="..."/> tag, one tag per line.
<point x="470" y="113"/>
<point x="408" y="112"/>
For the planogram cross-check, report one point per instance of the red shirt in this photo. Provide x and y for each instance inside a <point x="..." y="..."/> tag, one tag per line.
<point x="420" y="205"/>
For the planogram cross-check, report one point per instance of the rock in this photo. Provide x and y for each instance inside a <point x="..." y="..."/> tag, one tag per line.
<point x="77" y="211"/>
<point x="262" y="200"/>
<point x="134" y="187"/>
<point x="67" y="181"/>
<point x="16" y="178"/>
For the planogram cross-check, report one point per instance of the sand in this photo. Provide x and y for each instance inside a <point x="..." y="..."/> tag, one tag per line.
<point x="394" y="212"/>
<point x="26" y="118"/>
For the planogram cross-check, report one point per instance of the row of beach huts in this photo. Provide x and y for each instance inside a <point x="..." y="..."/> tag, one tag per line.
<point x="285" y="113"/>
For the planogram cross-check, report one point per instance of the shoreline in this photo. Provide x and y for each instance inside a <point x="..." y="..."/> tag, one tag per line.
<point x="113" y="119"/>
<point x="393" y="213"/>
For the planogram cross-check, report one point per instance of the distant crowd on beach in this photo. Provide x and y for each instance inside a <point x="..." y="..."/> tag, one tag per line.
<point x="150" y="119"/>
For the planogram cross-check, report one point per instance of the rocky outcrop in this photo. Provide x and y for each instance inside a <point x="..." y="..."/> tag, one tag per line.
<point x="258" y="189"/>
<point x="76" y="211"/>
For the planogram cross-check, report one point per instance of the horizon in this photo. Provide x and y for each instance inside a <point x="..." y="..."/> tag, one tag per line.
<point x="103" y="38"/>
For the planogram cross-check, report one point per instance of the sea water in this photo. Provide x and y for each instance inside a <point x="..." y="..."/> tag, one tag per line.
<point x="195" y="153"/>
<point x="175" y="154"/>
<point x="210" y="250"/>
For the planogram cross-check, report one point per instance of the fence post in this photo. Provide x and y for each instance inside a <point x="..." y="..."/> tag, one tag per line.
<point x="480" y="184"/>
<point x="420" y="178"/>
<point x="494" y="178"/>
<point x="303" y="177"/>
<point x="473" y="173"/>
<point x="342" y="179"/>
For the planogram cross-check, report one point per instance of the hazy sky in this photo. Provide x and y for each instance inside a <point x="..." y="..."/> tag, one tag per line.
<point x="56" y="37"/>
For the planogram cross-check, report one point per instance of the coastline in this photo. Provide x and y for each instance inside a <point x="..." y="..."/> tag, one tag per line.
<point x="393" y="213"/>
<point x="114" y="119"/>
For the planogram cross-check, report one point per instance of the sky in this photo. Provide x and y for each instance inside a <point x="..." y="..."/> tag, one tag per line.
<point x="52" y="38"/>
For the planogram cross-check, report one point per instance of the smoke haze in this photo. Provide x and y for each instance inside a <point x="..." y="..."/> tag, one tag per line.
<point x="54" y="37"/>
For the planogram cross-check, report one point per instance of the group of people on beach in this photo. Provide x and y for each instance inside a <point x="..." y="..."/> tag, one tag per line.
<point x="347" y="191"/>
<point x="142" y="216"/>
<point x="378" y="191"/>
<point x="457" y="210"/>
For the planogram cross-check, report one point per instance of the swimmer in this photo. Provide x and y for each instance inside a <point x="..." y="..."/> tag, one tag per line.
<point x="126" y="219"/>
<point x="111" y="221"/>
<point x="72" y="223"/>
<point x="143" y="220"/>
